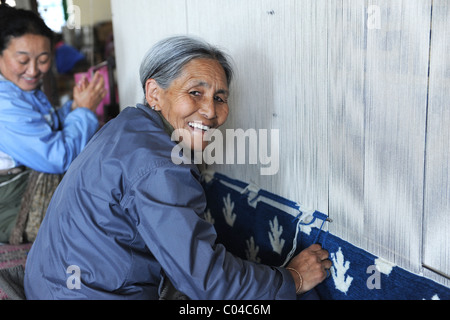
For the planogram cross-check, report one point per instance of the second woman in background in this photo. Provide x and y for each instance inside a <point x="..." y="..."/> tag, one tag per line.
<point x="35" y="135"/>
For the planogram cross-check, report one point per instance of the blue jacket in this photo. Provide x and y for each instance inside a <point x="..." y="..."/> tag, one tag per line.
<point x="33" y="134"/>
<point x="124" y="213"/>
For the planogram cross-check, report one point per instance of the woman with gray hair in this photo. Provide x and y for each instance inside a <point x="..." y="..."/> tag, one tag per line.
<point x="126" y="220"/>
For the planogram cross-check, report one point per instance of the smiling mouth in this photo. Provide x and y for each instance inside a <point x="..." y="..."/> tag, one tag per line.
<point x="32" y="80"/>
<point x="198" y="125"/>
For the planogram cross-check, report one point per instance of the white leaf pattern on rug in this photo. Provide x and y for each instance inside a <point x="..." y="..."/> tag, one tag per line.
<point x="252" y="251"/>
<point x="338" y="271"/>
<point x="384" y="266"/>
<point x="230" y="217"/>
<point x="208" y="217"/>
<point x="275" y="236"/>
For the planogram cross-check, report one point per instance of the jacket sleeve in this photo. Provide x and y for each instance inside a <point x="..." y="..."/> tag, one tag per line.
<point x="31" y="141"/>
<point x="167" y="203"/>
<point x="64" y="111"/>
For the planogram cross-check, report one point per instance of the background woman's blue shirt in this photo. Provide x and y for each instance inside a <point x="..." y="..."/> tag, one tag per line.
<point x="37" y="136"/>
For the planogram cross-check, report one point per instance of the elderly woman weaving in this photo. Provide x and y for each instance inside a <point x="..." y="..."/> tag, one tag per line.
<point x="126" y="218"/>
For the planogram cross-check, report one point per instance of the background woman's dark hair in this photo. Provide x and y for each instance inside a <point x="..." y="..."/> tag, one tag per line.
<point x="18" y="22"/>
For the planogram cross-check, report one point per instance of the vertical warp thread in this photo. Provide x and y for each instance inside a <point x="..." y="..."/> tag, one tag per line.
<point x="316" y="215"/>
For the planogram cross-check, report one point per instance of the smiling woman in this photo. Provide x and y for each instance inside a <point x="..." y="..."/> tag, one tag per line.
<point x="198" y="76"/>
<point x="196" y="101"/>
<point x="35" y="135"/>
<point x="128" y="219"/>
<point x="26" y="60"/>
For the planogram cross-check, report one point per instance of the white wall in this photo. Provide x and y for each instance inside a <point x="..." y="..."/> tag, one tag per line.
<point x="21" y="4"/>
<point x="136" y="27"/>
<point x="93" y="11"/>
<point x="346" y="84"/>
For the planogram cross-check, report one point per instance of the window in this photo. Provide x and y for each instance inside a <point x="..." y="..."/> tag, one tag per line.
<point x="53" y="13"/>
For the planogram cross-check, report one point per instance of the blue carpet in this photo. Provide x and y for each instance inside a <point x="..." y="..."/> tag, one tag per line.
<point x="254" y="225"/>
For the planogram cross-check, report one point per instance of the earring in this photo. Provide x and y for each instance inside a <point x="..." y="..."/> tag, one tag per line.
<point x="153" y="107"/>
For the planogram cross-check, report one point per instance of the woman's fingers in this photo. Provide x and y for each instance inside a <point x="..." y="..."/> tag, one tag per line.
<point x="90" y="95"/>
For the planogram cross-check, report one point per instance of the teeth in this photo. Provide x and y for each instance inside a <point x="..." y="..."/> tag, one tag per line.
<point x="198" y="125"/>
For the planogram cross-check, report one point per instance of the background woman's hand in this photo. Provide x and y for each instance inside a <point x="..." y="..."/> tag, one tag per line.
<point x="312" y="264"/>
<point x="89" y="95"/>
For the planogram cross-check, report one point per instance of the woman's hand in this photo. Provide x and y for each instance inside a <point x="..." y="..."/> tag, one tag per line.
<point x="312" y="265"/>
<point x="89" y="95"/>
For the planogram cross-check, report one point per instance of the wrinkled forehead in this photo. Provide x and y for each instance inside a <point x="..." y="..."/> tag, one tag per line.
<point x="207" y="73"/>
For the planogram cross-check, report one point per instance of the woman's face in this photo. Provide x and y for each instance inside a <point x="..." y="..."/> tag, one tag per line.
<point x="195" y="102"/>
<point x="26" y="60"/>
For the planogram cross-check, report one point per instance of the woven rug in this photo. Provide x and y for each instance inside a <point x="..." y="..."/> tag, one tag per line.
<point x="265" y="228"/>
<point x="10" y="257"/>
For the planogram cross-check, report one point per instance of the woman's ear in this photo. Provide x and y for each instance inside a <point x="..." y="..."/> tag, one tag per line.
<point x="152" y="91"/>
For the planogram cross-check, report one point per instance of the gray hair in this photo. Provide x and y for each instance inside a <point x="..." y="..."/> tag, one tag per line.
<point x="166" y="59"/>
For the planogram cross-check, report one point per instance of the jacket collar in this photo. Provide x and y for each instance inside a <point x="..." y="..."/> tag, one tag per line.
<point x="158" y="118"/>
<point x="4" y="80"/>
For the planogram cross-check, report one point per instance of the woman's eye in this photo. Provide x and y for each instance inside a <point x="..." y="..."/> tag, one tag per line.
<point x="194" y="93"/>
<point x="219" y="99"/>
